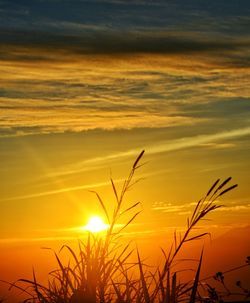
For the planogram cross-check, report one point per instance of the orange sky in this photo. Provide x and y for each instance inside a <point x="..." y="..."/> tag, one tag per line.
<point x="84" y="89"/>
<point x="50" y="211"/>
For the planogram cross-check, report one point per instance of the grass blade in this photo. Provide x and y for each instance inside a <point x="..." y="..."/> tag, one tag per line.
<point x="196" y="281"/>
<point x="142" y="278"/>
<point x="102" y="205"/>
<point x="173" y="290"/>
<point x="213" y="186"/>
<point x="138" y="159"/>
<point x="132" y="219"/>
<point x="226" y="190"/>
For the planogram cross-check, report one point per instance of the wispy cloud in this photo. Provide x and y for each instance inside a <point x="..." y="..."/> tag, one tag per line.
<point x="160" y="147"/>
<point x="35" y="239"/>
<point x="121" y="93"/>
<point x="173" y="145"/>
<point x="181" y="208"/>
<point x="90" y="186"/>
<point x="169" y="207"/>
<point x="75" y="236"/>
<point x="208" y="140"/>
<point x="115" y="42"/>
<point x="213" y="145"/>
<point x="175" y="15"/>
<point x="58" y="191"/>
<point x="236" y="208"/>
<point x="197" y="140"/>
<point x="72" y="75"/>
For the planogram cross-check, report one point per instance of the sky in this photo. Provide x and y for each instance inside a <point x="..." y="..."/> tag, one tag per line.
<point x="86" y="85"/>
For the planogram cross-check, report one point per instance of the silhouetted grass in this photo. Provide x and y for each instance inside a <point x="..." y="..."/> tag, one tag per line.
<point x="102" y="271"/>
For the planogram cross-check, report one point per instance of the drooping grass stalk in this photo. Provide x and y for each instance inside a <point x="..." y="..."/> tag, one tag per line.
<point x="202" y="209"/>
<point x="204" y="206"/>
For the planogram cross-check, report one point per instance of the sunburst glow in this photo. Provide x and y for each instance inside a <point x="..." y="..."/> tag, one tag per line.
<point x="95" y="224"/>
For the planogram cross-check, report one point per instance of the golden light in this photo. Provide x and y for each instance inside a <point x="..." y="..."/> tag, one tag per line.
<point x="95" y="225"/>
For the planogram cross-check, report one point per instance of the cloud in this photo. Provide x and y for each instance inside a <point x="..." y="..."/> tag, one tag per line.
<point x="236" y="208"/>
<point x="181" y="208"/>
<point x="58" y="191"/>
<point x="61" y="121"/>
<point x="169" y="207"/>
<point x="115" y="42"/>
<point x="218" y="145"/>
<point x="60" y="16"/>
<point x="36" y="239"/>
<point x="159" y="147"/>
<point x="119" y="93"/>
<point x="197" y="140"/>
<point x="71" y="170"/>
<point x="72" y="75"/>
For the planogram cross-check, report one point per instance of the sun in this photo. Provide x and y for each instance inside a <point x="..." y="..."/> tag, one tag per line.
<point x="95" y="225"/>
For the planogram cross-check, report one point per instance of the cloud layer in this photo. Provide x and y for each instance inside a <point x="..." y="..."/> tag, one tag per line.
<point x="141" y="91"/>
<point x="122" y="64"/>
